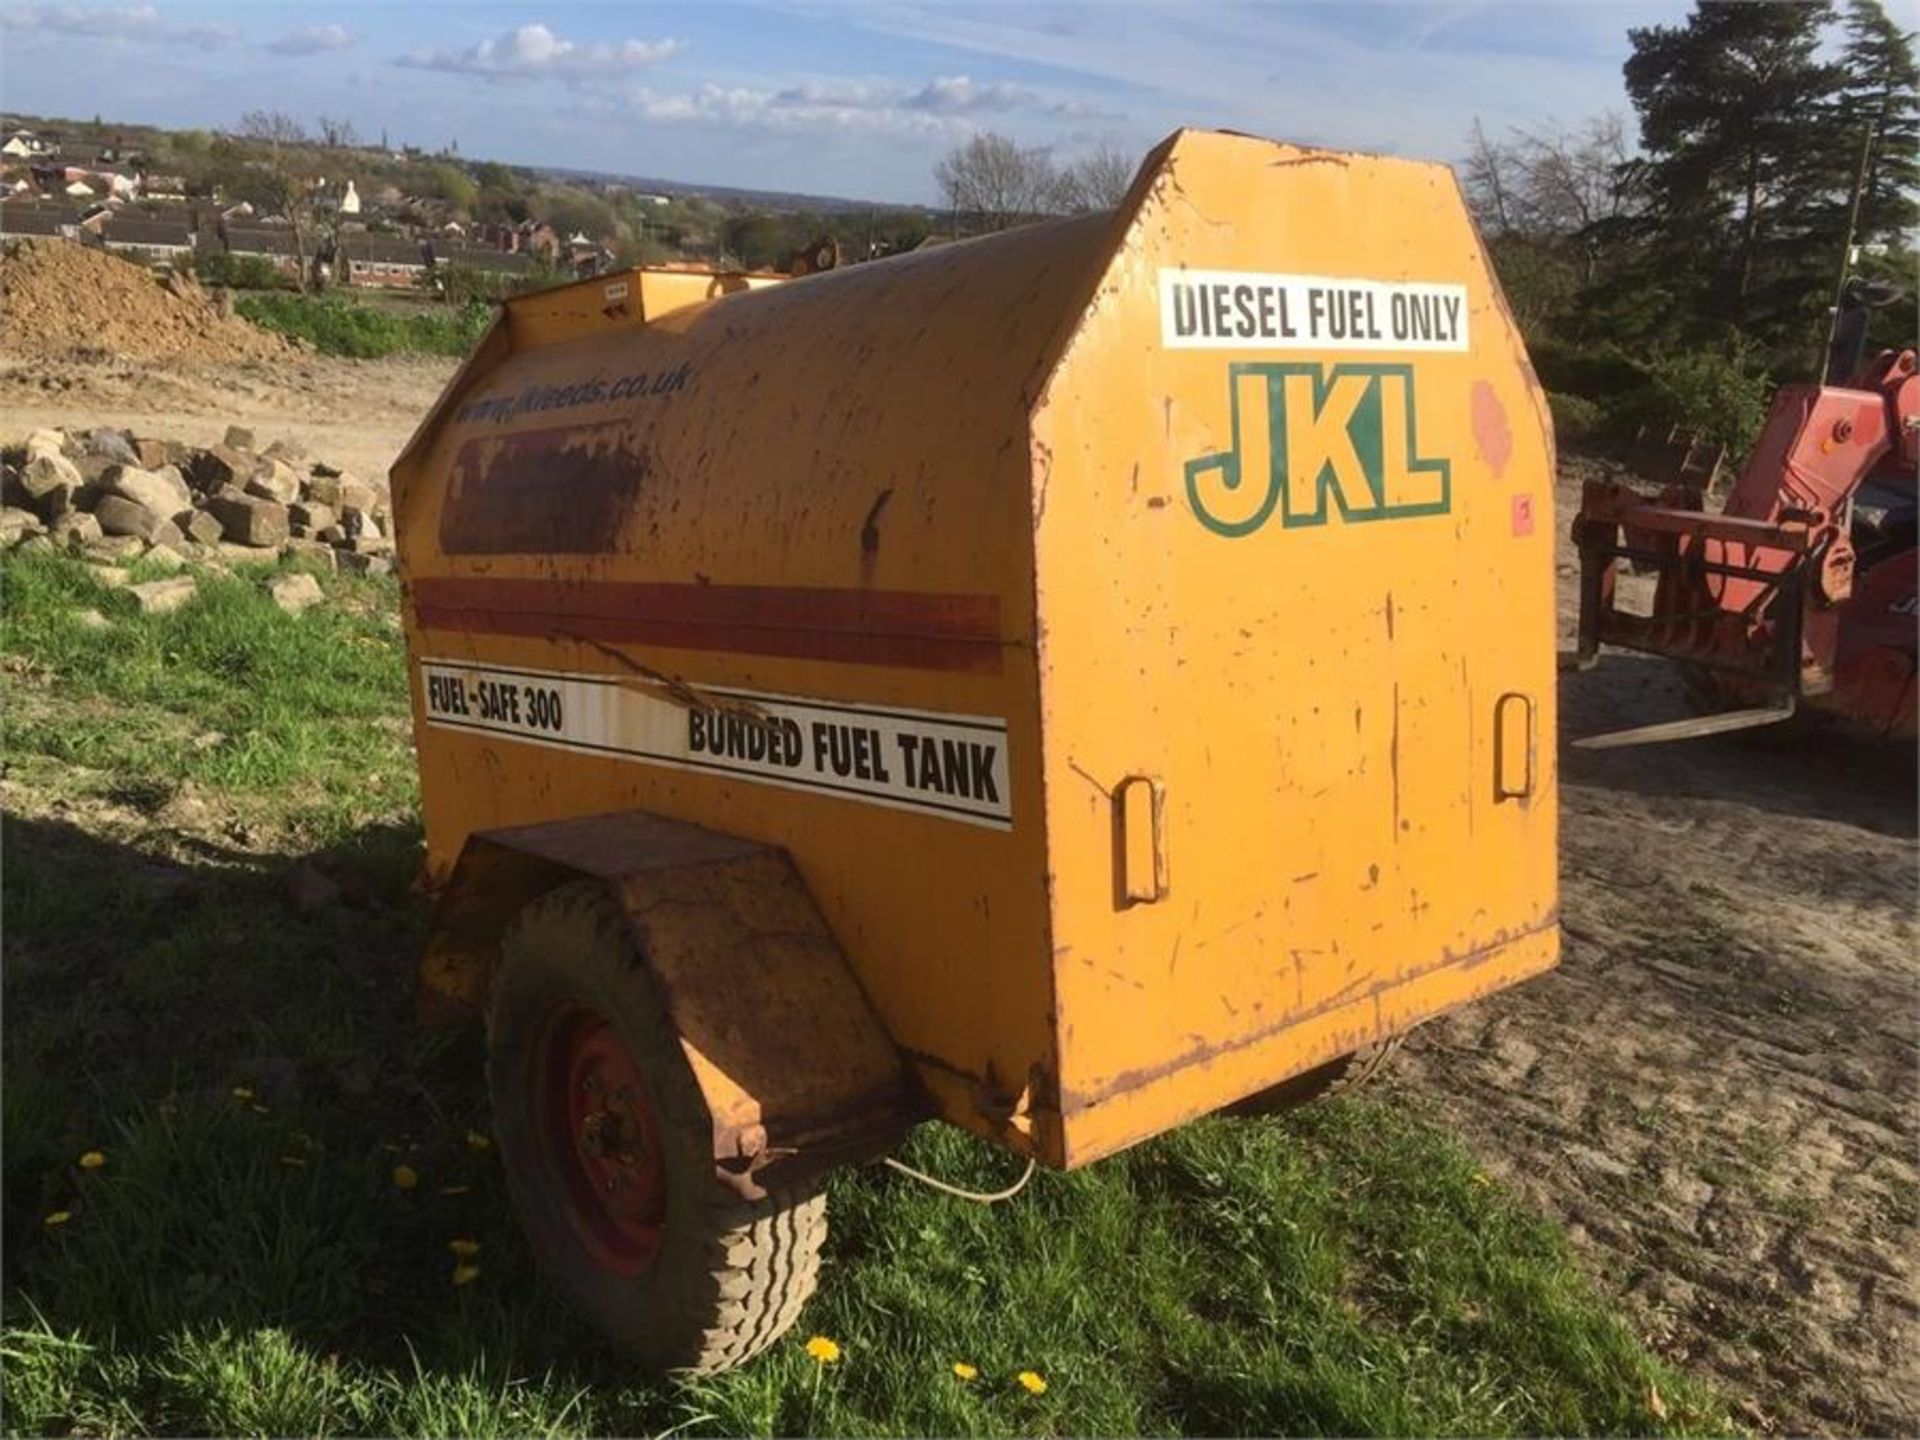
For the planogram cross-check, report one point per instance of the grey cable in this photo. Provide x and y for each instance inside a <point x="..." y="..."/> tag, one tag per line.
<point x="974" y="1195"/>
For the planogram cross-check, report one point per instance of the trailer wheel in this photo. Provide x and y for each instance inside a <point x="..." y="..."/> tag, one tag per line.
<point x="1338" y="1076"/>
<point x="608" y="1151"/>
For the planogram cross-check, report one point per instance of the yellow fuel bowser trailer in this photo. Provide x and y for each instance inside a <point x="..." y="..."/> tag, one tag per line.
<point x="1063" y="683"/>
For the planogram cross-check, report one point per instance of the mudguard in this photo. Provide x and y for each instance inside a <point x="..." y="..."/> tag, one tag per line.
<point x="797" y="1071"/>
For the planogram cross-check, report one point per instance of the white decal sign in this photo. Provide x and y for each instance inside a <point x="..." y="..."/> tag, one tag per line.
<point x="952" y="766"/>
<point x="1244" y="310"/>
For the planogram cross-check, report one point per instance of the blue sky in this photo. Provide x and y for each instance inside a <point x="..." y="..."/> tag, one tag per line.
<point x="845" y="97"/>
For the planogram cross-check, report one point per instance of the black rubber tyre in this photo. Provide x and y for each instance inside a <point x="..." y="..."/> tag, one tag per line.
<point x="1336" y="1077"/>
<point x="722" y="1279"/>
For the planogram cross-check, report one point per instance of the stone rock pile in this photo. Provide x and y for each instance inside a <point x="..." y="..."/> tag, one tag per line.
<point x="114" y="496"/>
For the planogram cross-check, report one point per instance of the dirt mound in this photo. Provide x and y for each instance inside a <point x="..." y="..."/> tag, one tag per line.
<point x="58" y="298"/>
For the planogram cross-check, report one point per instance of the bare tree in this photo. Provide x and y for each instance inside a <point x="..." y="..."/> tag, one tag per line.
<point x="1571" y="179"/>
<point x="1487" y="176"/>
<point x="1098" y="180"/>
<point x="278" y="139"/>
<point x="337" y="134"/>
<point x="995" y="183"/>
<point x="1548" y="184"/>
<point x="1557" y="187"/>
<point x="273" y="128"/>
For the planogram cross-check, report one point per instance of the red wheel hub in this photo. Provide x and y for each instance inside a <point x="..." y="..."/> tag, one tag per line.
<point x="602" y="1135"/>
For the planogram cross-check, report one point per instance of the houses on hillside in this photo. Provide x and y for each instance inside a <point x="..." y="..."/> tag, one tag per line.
<point x="273" y="245"/>
<point x="37" y="219"/>
<point x="107" y="195"/>
<point x="382" y="262"/>
<point x="159" y="241"/>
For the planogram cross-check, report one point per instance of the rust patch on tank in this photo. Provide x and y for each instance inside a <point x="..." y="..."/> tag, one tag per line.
<point x="1074" y="1099"/>
<point x="561" y="491"/>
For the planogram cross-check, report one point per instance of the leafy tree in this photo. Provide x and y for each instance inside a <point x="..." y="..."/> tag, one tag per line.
<point x="1541" y="279"/>
<point x="1880" y="98"/>
<point x="895" y="231"/>
<point x="492" y="175"/>
<point x="238" y="272"/>
<point x="568" y="210"/>
<point x="755" y="240"/>
<point x="1732" y="106"/>
<point x="1879" y="103"/>
<point x="501" y="206"/>
<point x="453" y="185"/>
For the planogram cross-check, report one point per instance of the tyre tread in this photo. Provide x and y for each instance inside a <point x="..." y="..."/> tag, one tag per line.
<point x="759" y="1260"/>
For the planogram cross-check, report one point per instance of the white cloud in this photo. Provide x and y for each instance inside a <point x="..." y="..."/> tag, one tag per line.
<point x="314" y="40"/>
<point x="850" y="107"/>
<point x="945" y="107"/>
<point x="962" y="95"/>
<point x="111" y="22"/>
<point x="534" y="52"/>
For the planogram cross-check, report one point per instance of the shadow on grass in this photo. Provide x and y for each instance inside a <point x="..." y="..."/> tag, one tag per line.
<point x="253" y="1077"/>
<point x="246" y="1259"/>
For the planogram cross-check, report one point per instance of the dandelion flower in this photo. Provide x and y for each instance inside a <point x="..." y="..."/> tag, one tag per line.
<point x="1033" y="1384"/>
<point x="241" y="1092"/>
<point x="405" y="1177"/>
<point x="465" y="1274"/>
<point x="826" y="1351"/>
<point x="92" y="1160"/>
<point x="58" y="1217"/>
<point x="464" y="1249"/>
<point x="477" y="1141"/>
<point x="963" y="1371"/>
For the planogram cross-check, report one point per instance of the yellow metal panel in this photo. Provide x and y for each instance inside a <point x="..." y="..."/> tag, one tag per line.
<point x="1291" y="576"/>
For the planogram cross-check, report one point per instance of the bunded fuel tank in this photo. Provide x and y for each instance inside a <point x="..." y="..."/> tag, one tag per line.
<point x="1138" y="628"/>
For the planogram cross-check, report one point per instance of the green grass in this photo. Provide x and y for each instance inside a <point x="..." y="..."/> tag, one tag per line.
<point x="243" y="1262"/>
<point x="338" y="326"/>
<point x="304" y="715"/>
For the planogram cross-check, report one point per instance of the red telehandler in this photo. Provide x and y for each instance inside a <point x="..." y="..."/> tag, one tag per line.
<point x="1801" y="592"/>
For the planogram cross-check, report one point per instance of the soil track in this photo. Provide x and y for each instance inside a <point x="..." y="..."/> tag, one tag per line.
<point x="1717" y="1091"/>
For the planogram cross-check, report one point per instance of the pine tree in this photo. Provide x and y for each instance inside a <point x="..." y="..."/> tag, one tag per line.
<point x="1880" y="93"/>
<point x="1737" y="167"/>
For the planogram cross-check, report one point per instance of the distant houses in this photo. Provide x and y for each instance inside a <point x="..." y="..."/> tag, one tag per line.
<point x="273" y="245"/>
<point x="106" y="195"/>
<point x="151" y="241"/>
<point x="36" y="219"/>
<point x="380" y="262"/>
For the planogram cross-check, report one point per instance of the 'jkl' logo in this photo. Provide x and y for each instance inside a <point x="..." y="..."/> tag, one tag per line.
<point x="1308" y="436"/>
